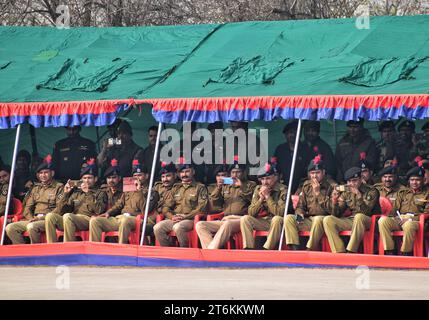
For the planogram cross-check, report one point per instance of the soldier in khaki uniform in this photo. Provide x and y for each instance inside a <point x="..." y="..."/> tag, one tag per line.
<point x="389" y="185"/>
<point x="367" y="174"/>
<point x="310" y="210"/>
<point x="4" y="187"/>
<point x="42" y="199"/>
<point x="266" y="209"/>
<point x="216" y="202"/>
<point x="362" y="201"/>
<point x="164" y="188"/>
<point x="113" y="186"/>
<point x="410" y="203"/>
<point x="234" y="200"/>
<point x="77" y="206"/>
<point x="189" y="199"/>
<point x="122" y="216"/>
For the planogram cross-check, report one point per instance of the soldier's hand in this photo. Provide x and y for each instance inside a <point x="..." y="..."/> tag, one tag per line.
<point x="138" y="184"/>
<point x="29" y="184"/>
<point x="335" y="196"/>
<point x="237" y="182"/>
<point x="67" y="187"/>
<point x="177" y="218"/>
<point x="103" y="215"/>
<point x="355" y="191"/>
<point x="84" y="187"/>
<point x="316" y="186"/>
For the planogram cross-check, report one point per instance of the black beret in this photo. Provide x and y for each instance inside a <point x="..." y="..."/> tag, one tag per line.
<point x="312" y="124"/>
<point x="316" y="164"/>
<point x="237" y="165"/>
<point x="6" y="168"/>
<point x="221" y="168"/>
<point x="46" y="164"/>
<point x="167" y="168"/>
<point x="125" y="127"/>
<point x="386" y="125"/>
<point x="407" y="123"/>
<point x="89" y="167"/>
<point x="113" y="169"/>
<point x="416" y="172"/>
<point x="138" y="167"/>
<point x="352" y="173"/>
<point x="388" y="170"/>
<point x="182" y="165"/>
<point x="269" y="169"/>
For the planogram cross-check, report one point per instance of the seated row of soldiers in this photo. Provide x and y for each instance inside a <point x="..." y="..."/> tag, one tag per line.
<point x="323" y="207"/>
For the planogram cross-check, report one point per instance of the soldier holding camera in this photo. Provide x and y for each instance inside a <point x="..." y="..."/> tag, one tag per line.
<point x="43" y="198"/>
<point x="80" y="202"/>
<point x="409" y="204"/>
<point x="310" y="210"/>
<point x="234" y="199"/>
<point x="266" y="210"/>
<point x="215" y="202"/>
<point x="122" y="216"/>
<point x="361" y="201"/>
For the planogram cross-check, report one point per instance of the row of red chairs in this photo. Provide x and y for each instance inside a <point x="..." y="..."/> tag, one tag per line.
<point x="370" y="237"/>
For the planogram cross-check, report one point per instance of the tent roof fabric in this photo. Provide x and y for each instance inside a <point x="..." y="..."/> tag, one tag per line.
<point x="308" y="69"/>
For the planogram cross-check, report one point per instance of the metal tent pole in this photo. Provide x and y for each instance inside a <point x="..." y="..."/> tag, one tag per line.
<point x="12" y="176"/>
<point x="152" y="175"/>
<point x="289" y="189"/>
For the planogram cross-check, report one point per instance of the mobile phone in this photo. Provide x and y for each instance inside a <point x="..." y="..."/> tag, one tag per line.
<point x="227" y="180"/>
<point x="129" y="184"/>
<point x="299" y="218"/>
<point x="341" y="188"/>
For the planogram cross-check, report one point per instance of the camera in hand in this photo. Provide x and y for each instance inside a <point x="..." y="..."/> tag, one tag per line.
<point x="75" y="183"/>
<point x="114" y="142"/>
<point x="342" y="188"/>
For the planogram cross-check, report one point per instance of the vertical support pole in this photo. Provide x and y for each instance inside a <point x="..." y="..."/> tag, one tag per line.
<point x="292" y="171"/>
<point x="12" y="176"/>
<point x="152" y="176"/>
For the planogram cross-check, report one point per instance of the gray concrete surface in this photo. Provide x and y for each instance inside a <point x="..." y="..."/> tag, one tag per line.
<point x="140" y="283"/>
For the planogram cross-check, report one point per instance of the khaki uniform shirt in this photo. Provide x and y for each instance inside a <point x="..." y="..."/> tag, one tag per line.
<point x="368" y="204"/>
<point x="92" y="203"/>
<point x="234" y="200"/>
<point x="311" y="205"/>
<point x="3" y="197"/>
<point x="134" y="202"/>
<point x="42" y="199"/>
<point x="408" y="201"/>
<point x="389" y="194"/>
<point x="188" y="200"/>
<point x="165" y="194"/>
<point x="274" y="205"/>
<point x="112" y="198"/>
<point x="215" y="201"/>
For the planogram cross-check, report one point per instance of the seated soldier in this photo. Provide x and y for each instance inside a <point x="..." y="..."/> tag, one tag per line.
<point x="189" y="199"/>
<point x="215" y="202"/>
<point x="164" y="188"/>
<point x="113" y="186"/>
<point x="266" y="210"/>
<point x="310" y="210"/>
<point x="235" y="199"/>
<point x="367" y="171"/>
<point x="43" y="198"/>
<point x="77" y="206"/>
<point x="389" y="185"/>
<point x="361" y="200"/>
<point x="409" y="204"/>
<point x="4" y="188"/>
<point x="122" y="216"/>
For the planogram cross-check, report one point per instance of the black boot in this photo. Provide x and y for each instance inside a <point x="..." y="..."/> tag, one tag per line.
<point x="294" y="247"/>
<point x="389" y="252"/>
<point x="407" y="254"/>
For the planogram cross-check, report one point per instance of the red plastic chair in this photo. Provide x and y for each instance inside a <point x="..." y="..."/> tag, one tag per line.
<point x="84" y="235"/>
<point x="236" y="238"/>
<point x="420" y="239"/>
<point x="16" y="213"/>
<point x="386" y="206"/>
<point x="134" y="237"/>
<point x="192" y="235"/>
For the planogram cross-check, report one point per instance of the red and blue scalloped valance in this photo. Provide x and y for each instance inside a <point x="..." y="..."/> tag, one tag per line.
<point x="338" y="107"/>
<point x="104" y="112"/>
<point x="61" y="114"/>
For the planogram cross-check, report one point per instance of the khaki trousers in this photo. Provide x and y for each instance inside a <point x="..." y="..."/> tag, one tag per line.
<point x="388" y="224"/>
<point x="163" y="228"/>
<point x="222" y="231"/>
<point x="124" y="224"/>
<point x="357" y="224"/>
<point x="53" y="222"/>
<point x="74" y="222"/>
<point x="273" y="226"/>
<point x="314" y="224"/>
<point x="15" y="231"/>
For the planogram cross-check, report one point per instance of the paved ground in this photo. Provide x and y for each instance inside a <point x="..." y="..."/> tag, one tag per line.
<point x="140" y="283"/>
